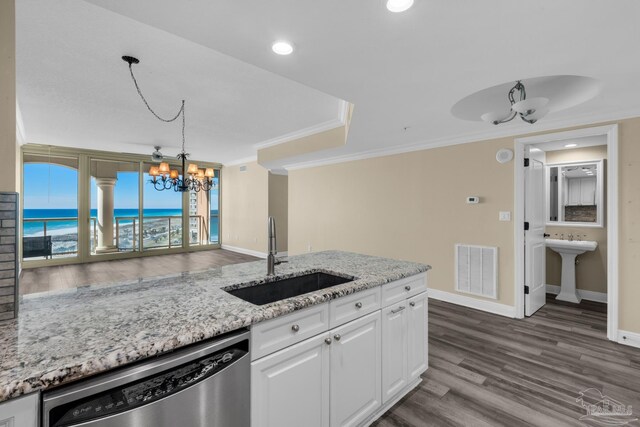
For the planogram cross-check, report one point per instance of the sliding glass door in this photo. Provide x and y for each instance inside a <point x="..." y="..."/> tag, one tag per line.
<point x="50" y="207"/>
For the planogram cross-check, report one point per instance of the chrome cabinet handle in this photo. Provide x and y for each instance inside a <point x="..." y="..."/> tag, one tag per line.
<point x="327" y="341"/>
<point x="412" y="304"/>
<point x="358" y="305"/>
<point x="337" y="337"/>
<point x="407" y="288"/>
<point x="398" y="310"/>
<point x="295" y="328"/>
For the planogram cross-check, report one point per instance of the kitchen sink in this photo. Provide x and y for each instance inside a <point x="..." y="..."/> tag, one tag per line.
<point x="280" y="289"/>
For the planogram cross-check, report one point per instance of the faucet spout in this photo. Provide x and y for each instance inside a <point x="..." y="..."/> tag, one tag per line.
<point x="272" y="249"/>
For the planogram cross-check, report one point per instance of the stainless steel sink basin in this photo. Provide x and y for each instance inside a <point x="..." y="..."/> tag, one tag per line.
<point x="280" y="289"/>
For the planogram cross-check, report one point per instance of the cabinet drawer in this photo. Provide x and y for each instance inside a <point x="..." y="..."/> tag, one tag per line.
<point x="275" y="334"/>
<point x="402" y="289"/>
<point x="345" y="309"/>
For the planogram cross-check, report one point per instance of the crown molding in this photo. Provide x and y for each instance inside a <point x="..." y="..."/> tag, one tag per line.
<point x="585" y="120"/>
<point x="244" y="160"/>
<point x="343" y="111"/>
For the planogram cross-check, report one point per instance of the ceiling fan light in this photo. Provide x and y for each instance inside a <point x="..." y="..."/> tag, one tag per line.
<point x="529" y="106"/>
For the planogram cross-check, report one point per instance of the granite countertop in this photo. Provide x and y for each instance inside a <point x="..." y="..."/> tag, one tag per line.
<point x="64" y="336"/>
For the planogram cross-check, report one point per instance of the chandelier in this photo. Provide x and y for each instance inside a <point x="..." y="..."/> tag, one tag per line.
<point x="162" y="176"/>
<point x="529" y="110"/>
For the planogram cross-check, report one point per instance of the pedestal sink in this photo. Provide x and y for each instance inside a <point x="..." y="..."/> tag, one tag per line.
<point x="569" y="250"/>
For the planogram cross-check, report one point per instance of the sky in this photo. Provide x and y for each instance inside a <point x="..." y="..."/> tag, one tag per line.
<point x="56" y="187"/>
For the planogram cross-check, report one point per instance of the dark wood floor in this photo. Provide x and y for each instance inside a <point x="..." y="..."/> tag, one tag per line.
<point x="487" y="370"/>
<point x="70" y="276"/>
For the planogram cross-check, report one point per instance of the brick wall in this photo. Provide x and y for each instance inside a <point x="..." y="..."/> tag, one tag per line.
<point x="8" y="255"/>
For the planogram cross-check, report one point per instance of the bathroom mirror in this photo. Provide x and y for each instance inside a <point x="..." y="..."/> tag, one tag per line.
<point x="575" y="194"/>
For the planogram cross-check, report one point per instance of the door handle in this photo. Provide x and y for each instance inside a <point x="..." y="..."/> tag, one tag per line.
<point x="398" y="310"/>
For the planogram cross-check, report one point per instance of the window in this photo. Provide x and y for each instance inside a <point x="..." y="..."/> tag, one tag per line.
<point x="161" y="216"/>
<point x="50" y="207"/>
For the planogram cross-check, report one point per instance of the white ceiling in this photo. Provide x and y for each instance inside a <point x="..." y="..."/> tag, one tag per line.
<point x="401" y="70"/>
<point x="74" y="90"/>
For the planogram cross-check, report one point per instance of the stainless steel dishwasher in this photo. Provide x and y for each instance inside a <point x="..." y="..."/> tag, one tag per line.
<point x="205" y="385"/>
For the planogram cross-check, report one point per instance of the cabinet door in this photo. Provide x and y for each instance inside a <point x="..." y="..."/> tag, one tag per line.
<point x="394" y="349"/>
<point x="574" y="192"/>
<point x="588" y="191"/>
<point x="356" y="383"/>
<point x="418" y="345"/>
<point x="290" y="388"/>
<point x="22" y="411"/>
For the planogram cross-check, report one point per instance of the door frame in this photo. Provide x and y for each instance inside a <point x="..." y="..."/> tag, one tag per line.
<point x="611" y="217"/>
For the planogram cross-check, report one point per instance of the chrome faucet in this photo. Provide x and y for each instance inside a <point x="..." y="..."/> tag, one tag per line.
<point x="272" y="261"/>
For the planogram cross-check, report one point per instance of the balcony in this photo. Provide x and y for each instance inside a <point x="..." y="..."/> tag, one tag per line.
<point x="52" y="238"/>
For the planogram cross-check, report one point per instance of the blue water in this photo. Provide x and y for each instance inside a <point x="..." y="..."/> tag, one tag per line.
<point x="31" y="228"/>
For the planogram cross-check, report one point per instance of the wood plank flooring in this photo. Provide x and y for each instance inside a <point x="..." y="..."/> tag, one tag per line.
<point x="69" y="276"/>
<point x="487" y="370"/>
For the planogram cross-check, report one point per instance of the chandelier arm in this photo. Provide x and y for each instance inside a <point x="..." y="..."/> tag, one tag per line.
<point x="507" y="119"/>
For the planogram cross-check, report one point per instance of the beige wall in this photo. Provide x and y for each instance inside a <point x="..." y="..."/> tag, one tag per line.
<point x="411" y="206"/>
<point x="591" y="270"/>
<point x="279" y="208"/>
<point x="245" y="207"/>
<point x="9" y="153"/>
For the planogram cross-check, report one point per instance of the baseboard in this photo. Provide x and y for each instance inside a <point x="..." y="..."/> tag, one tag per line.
<point x="629" y="338"/>
<point x="244" y="251"/>
<point x="478" y="304"/>
<point x="588" y="295"/>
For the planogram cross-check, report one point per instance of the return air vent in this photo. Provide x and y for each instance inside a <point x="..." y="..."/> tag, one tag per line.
<point x="477" y="270"/>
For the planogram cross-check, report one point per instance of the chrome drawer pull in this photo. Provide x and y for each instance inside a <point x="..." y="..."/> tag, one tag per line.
<point x="402" y="307"/>
<point x="295" y="328"/>
<point x="407" y="288"/>
<point x="358" y="305"/>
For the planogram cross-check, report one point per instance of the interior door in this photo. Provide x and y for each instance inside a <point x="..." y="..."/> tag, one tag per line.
<point x="535" y="247"/>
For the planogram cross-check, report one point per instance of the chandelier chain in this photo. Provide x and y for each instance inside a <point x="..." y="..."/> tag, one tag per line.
<point x="180" y="111"/>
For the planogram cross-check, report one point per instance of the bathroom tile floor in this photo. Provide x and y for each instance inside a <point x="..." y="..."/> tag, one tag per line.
<point x="488" y="370"/>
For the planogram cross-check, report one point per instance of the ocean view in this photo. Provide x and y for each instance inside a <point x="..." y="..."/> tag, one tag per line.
<point x="156" y="229"/>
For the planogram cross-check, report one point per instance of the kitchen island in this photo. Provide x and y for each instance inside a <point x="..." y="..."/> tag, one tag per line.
<point x="63" y="337"/>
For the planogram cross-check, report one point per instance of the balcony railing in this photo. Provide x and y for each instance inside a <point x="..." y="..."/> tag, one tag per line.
<point x="158" y="232"/>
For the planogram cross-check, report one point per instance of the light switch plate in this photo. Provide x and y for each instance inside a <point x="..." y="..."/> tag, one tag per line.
<point x="505" y="216"/>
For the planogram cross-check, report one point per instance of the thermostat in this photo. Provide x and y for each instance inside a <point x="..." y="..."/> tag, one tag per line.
<point x="472" y="200"/>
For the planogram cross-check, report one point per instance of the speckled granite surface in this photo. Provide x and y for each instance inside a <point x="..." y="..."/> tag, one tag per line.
<point x="61" y="337"/>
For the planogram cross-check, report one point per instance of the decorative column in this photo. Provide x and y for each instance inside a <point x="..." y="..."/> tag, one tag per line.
<point x="105" y="215"/>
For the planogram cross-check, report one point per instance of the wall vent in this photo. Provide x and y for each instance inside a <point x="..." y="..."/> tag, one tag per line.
<point x="477" y="270"/>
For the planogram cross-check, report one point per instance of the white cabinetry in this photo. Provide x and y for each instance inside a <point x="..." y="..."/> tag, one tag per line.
<point x="581" y="191"/>
<point x="417" y="335"/>
<point x="355" y="371"/>
<point x="394" y="349"/>
<point x="20" y="412"/>
<point x="368" y="349"/>
<point x="291" y="386"/>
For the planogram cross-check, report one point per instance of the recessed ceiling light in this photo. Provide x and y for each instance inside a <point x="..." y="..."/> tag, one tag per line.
<point x="570" y="145"/>
<point x="282" y="48"/>
<point x="399" y="5"/>
<point x="535" y="150"/>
